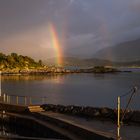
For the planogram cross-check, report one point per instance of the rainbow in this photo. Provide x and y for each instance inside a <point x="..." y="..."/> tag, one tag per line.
<point x="56" y="44"/>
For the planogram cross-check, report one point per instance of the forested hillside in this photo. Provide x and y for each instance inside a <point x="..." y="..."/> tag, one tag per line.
<point x="15" y="61"/>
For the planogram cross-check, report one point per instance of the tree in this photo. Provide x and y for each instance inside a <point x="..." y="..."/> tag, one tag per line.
<point x="40" y="62"/>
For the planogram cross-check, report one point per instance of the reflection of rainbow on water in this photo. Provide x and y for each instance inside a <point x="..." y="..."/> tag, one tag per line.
<point x="57" y="79"/>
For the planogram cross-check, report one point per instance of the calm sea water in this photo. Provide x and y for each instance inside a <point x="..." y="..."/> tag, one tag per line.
<point x="98" y="90"/>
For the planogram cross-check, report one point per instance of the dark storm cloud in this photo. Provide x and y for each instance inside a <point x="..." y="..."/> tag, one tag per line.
<point x="18" y="15"/>
<point x="84" y="26"/>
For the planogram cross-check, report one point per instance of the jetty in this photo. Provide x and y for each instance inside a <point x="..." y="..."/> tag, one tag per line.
<point x="23" y="111"/>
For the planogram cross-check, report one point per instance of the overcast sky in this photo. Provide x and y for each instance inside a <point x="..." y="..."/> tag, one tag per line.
<point x="83" y="26"/>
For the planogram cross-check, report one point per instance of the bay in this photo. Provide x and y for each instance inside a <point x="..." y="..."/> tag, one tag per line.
<point x="97" y="90"/>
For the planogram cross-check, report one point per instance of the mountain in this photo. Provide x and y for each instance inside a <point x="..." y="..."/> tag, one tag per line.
<point x="82" y="62"/>
<point x="124" y="52"/>
<point x="67" y="61"/>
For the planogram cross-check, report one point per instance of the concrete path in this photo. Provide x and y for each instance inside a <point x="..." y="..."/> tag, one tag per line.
<point x="102" y="127"/>
<point x="92" y="126"/>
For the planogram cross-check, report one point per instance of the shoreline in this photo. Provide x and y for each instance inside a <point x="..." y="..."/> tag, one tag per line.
<point x="99" y="113"/>
<point x="55" y="70"/>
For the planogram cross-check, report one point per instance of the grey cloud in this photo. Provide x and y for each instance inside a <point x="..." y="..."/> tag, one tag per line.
<point x="87" y="25"/>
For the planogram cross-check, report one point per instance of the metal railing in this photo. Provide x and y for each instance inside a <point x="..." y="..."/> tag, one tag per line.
<point x="22" y="100"/>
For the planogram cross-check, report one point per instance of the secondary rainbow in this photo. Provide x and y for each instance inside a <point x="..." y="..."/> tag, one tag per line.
<point x="56" y="44"/>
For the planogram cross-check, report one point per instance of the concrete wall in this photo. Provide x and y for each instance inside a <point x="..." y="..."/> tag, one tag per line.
<point x="13" y="108"/>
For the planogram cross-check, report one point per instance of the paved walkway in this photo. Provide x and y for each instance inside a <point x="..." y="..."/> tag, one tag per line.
<point x="103" y="127"/>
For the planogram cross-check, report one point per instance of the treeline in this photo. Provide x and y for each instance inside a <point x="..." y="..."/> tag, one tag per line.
<point x="15" y="61"/>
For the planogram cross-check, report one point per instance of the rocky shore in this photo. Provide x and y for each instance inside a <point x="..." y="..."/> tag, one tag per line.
<point x="46" y="70"/>
<point x="94" y="112"/>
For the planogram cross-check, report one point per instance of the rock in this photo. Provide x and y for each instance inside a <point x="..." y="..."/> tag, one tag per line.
<point x="136" y="116"/>
<point x="104" y="111"/>
<point x="91" y="112"/>
<point x="76" y="110"/>
<point x="60" y="108"/>
<point x="97" y="114"/>
<point x="107" y="112"/>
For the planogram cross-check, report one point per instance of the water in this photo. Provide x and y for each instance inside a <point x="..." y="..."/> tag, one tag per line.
<point x="98" y="90"/>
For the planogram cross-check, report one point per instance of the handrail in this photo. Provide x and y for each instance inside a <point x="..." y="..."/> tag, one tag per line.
<point x="20" y="100"/>
<point x="27" y="96"/>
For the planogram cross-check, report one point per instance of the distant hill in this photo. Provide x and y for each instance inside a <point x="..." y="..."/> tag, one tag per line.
<point x="19" y="62"/>
<point x="73" y="61"/>
<point x="128" y="64"/>
<point x="79" y="62"/>
<point x="67" y="61"/>
<point x="15" y="61"/>
<point x="124" y="52"/>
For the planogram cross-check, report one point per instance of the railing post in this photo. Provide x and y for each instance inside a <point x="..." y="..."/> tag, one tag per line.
<point x="4" y="97"/>
<point x="7" y="99"/>
<point x="27" y="100"/>
<point x="118" y="123"/>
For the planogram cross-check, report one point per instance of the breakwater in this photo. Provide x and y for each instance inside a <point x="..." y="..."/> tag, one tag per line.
<point x="103" y="113"/>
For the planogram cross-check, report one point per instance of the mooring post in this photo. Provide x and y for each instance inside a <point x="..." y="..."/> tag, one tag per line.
<point x="118" y="123"/>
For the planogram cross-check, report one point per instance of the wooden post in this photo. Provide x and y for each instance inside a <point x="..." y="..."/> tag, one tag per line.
<point x="4" y="97"/>
<point x="118" y="124"/>
<point x="7" y="99"/>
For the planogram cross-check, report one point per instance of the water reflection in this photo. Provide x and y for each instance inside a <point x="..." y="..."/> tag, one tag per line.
<point x="32" y="77"/>
<point x="77" y="89"/>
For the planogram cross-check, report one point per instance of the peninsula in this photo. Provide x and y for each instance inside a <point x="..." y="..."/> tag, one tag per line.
<point x="18" y="64"/>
